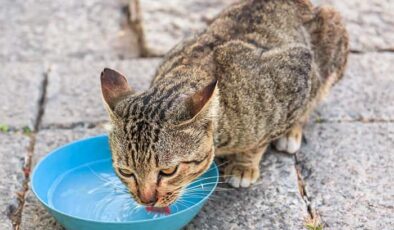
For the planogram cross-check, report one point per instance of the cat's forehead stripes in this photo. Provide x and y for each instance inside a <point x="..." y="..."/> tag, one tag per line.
<point x="144" y="115"/>
<point x="141" y="137"/>
<point x="153" y="106"/>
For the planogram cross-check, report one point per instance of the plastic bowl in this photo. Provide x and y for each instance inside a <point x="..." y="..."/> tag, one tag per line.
<point x="77" y="185"/>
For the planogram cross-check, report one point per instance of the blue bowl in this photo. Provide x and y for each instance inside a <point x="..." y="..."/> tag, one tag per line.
<point x="77" y="185"/>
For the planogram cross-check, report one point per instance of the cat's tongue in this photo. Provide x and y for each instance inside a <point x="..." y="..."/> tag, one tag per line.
<point x="164" y="210"/>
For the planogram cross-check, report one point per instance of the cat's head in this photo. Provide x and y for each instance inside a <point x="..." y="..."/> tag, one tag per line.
<point x="161" y="139"/>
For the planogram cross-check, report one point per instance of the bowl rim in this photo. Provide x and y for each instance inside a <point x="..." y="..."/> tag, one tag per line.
<point x="54" y="151"/>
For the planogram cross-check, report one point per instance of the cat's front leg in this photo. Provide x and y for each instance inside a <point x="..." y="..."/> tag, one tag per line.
<point x="243" y="169"/>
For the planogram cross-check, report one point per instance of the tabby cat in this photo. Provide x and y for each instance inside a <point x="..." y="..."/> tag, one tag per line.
<point x="250" y="79"/>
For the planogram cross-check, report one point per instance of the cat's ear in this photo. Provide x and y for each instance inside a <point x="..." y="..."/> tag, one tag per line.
<point x="199" y="103"/>
<point x="114" y="87"/>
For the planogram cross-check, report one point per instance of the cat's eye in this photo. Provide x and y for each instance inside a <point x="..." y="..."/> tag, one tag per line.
<point x="125" y="172"/>
<point x="169" y="171"/>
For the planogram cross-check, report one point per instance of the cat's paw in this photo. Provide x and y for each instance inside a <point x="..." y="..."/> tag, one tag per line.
<point x="241" y="176"/>
<point x="288" y="144"/>
<point x="291" y="142"/>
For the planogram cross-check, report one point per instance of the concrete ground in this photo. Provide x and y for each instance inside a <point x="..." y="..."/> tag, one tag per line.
<point x="52" y="52"/>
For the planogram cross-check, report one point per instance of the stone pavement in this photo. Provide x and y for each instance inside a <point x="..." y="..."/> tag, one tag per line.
<point x="59" y="30"/>
<point x="348" y="172"/>
<point x="52" y="52"/>
<point x="12" y="153"/>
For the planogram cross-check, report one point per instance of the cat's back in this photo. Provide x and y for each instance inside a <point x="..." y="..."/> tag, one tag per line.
<point x="264" y="23"/>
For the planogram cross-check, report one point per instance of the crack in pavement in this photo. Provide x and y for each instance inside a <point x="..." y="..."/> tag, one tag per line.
<point x="313" y="217"/>
<point x="382" y="50"/>
<point x="356" y="120"/>
<point x="16" y="213"/>
<point x="133" y="13"/>
<point x="42" y="100"/>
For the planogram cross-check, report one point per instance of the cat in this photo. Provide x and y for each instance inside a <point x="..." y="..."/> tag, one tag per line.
<point x="251" y="78"/>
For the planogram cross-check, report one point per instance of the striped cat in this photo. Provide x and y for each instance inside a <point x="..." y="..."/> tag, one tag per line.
<point x="250" y="79"/>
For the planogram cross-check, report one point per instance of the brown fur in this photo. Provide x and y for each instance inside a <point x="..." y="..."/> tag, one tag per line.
<point x="252" y="77"/>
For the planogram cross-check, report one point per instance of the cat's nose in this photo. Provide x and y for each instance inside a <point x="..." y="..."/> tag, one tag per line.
<point x="150" y="201"/>
<point x="148" y="197"/>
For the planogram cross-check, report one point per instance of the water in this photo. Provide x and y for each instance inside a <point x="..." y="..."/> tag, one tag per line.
<point x="93" y="191"/>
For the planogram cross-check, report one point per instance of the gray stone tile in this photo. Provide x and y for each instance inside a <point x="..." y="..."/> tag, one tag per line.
<point x="365" y="92"/>
<point x="348" y="171"/>
<point x="19" y="93"/>
<point x="34" y="215"/>
<point x="74" y="93"/>
<point x="55" y="30"/>
<point x="165" y="23"/>
<point x="273" y="203"/>
<point x="370" y="23"/>
<point x="12" y="154"/>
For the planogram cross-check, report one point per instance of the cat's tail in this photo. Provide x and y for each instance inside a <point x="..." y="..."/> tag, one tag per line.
<point x="330" y="42"/>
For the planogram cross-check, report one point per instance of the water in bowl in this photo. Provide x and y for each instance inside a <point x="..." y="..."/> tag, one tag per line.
<point x="93" y="191"/>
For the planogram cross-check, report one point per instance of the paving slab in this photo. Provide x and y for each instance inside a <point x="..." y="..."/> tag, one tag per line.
<point x="12" y="156"/>
<point x="370" y="22"/>
<point x="34" y="215"/>
<point x="348" y="172"/>
<point x="166" y="23"/>
<point x="74" y="93"/>
<point x="20" y="92"/>
<point x="57" y="29"/>
<point x="365" y="92"/>
<point x="273" y="203"/>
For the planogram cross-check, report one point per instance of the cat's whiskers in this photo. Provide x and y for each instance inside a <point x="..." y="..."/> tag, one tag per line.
<point x="137" y="206"/>
<point x="205" y="191"/>
<point x="208" y="184"/>
<point x="181" y="202"/>
<point x="207" y="178"/>
<point x="188" y="201"/>
<point x="221" y="164"/>
<point x="197" y="192"/>
<point x="203" y="183"/>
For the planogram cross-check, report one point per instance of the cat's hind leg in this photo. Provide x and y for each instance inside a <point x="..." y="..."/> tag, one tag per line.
<point x="330" y="43"/>
<point x="243" y="169"/>
<point x="291" y="141"/>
